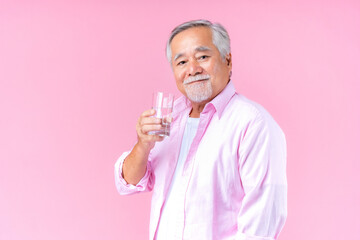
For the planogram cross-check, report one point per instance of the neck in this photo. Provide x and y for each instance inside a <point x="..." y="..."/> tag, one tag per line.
<point x="197" y="108"/>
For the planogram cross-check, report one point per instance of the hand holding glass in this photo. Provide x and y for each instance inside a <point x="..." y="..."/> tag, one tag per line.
<point x="163" y="104"/>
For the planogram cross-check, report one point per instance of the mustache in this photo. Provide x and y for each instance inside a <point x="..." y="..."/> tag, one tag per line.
<point x="196" y="78"/>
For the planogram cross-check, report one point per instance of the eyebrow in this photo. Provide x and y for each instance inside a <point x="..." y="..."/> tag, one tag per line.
<point x="198" y="49"/>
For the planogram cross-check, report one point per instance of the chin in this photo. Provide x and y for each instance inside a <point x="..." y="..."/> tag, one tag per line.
<point x="199" y="98"/>
<point x="199" y="92"/>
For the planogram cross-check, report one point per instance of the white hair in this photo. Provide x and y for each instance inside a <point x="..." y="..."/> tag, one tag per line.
<point x="220" y="36"/>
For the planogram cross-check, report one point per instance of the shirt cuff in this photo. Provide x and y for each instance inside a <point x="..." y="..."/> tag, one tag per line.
<point x="125" y="188"/>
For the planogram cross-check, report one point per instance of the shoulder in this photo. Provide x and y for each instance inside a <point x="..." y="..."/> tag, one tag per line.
<point x="252" y="113"/>
<point x="243" y="107"/>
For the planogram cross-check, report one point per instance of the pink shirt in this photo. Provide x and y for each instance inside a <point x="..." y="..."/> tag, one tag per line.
<point x="234" y="176"/>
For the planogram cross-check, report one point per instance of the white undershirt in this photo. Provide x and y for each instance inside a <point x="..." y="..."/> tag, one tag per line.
<point x="172" y="215"/>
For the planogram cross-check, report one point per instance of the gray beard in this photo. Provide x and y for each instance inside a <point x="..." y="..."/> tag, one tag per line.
<point x="199" y="92"/>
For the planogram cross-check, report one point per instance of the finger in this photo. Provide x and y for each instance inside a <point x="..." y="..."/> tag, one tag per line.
<point x="158" y="138"/>
<point x="148" y="113"/>
<point x="168" y="119"/>
<point x="150" y="120"/>
<point x="151" y="137"/>
<point x="153" y="127"/>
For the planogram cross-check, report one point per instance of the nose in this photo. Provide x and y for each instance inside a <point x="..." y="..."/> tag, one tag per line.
<point x="194" y="68"/>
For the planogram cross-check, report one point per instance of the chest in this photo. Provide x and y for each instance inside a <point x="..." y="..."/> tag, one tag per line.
<point x="212" y="160"/>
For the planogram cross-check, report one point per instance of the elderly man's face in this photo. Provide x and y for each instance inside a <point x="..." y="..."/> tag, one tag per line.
<point x="198" y="67"/>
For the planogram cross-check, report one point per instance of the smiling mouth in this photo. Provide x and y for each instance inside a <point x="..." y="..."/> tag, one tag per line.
<point x="197" y="81"/>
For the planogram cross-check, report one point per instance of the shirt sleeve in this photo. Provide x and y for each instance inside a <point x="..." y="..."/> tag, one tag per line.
<point x="262" y="167"/>
<point x="145" y="184"/>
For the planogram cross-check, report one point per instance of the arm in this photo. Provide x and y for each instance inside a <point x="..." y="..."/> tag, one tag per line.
<point x="132" y="170"/>
<point x="263" y="175"/>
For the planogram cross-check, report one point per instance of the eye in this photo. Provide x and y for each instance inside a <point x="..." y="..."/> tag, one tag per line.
<point x="181" y="63"/>
<point x="203" y="57"/>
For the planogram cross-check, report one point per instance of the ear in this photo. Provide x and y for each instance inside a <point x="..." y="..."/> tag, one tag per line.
<point x="229" y="61"/>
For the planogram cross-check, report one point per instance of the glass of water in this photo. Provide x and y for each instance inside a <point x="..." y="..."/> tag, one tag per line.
<point x="163" y="105"/>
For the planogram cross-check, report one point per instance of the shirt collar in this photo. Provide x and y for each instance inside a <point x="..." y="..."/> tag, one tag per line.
<point x="222" y="99"/>
<point x="219" y="102"/>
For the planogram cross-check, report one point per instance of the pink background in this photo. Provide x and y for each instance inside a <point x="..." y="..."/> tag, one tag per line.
<point x="75" y="75"/>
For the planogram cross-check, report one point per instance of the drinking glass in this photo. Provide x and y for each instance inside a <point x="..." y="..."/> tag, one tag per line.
<point x="163" y="105"/>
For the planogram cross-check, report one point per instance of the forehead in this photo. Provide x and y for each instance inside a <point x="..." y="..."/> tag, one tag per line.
<point x="191" y="39"/>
